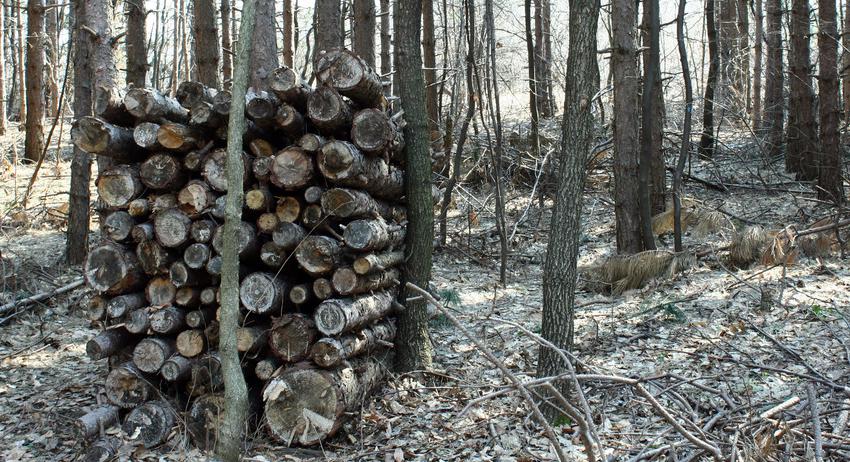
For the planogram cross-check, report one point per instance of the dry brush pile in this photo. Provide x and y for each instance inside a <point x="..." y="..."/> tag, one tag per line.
<point x="320" y="250"/>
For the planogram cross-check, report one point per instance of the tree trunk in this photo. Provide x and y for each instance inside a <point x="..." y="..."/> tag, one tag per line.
<point x="758" y="42"/>
<point x="685" y="149"/>
<point x="830" y="178"/>
<point x="3" y="70"/>
<point x="647" y="186"/>
<point x="626" y="127"/>
<point x="206" y="43"/>
<point x="137" y="56"/>
<point x="51" y="51"/>
<point x="264" y="58"/>
<point x="707" y="142"/>
<point x="226" y="52"/>
<point x="430" y="71"/>
<point x="235" y="389"/>
<point x="774" y="102"/>
<point x="802" y="143"/>
<point x="845" y="61"/>
<point x="386" y="38"/>
<point x="559" y="274"/>
<point x="34" y="143"/>
<point x="328" y="20"/>
<point x="22" y="85"/>
<point x="363" y="42"/>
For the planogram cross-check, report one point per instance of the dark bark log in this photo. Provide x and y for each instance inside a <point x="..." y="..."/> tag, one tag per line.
<point x="93" y="423"/>
<point x="265" y="368"/>
<point x="122" y="305"/>
<point x="203" y="230"/>
<point x="144" y="134"/>
<point x="262" y="168"/>
<point x="151" y="423"/>
<point x="830" y="178"/>
<point x="34" y="139"/>
<point x="139" y="208"/>
<point x="104" y="449"/>
<point x="351" y="76"/>
<point x="179" y="137"/>
<point x="377" y="262"/>
<point x="301" y="294"/>
<point x="204" y="115"/>
<point x="203" y="420"/>
<point x="221" y="102"/>
<point x="119" y="185"/>
<point x="152" y="352"/>
<point x="142" y="232"/>
<point x="347" y="282"/>
<point x="187" y="297"/>
<point x="292" y="169"/>
<point x="340" y="315"/>
<point x="146" y="104"/>
<point x="291" y="337"/>
<point x="273" y="255"/>
<point x="206" y="375"/>
<point x="289" y="235"/>
<point x="374" y="132"/>
<point x="177" y="369"/>
<point x="267" y="223"/>
<point x="329" y="112"/>
<point x="108" y="343"/>
<point x="160" y="291"/>
<point x="109" y="105"/>
<point x="331" y="352"/>
<point x="311" y="142"/>
<point x="97" y="136"/>
<point x="352" y="203"/>
<point x="162" y="171"/>
<point x="182" y="275"/>
<point x="369" y="235"/>
<point x="290" y="88"/>
<point x="802" y="142"/>
<point x="246" y="241"/>
<point x="313" y="194"/>
<point x="153" y="258"/>
<point x="127" y="387"/>
<point x="213" y="169"/>
<point x="118" y="225"/>
<point x="190" y="94"/>
<point x="263" y="293"/>
<point x="364" y="19"/>
<point x="323" y="289"/>
<point x="96" y="307"/>
<point x="168" y="320"/>
<point x="319" y="255"/>
<point x="307" y="405"/>
<point x="171" y="227"/>
<point x="138" y="322"/>
<point x="197" y="255"/>
<point x="289" y="120"/>
<point x="342" y="163"/>
<point x="196" y="198"/>
<point x="313" y="216"/>
<point x="112" y="269"/>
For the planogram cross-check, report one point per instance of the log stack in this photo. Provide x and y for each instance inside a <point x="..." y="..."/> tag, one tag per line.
<point x="320" y="250"/>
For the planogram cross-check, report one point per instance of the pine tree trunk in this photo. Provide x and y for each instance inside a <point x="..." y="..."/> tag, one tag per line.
<point x="287" y="34"/>
<point x="559" y="274"/>
<point x="758" y="40"/>
<point x="845" y="60"/>
<point x="137" y="56"/>
<point x="830" y="187"/>
<point x="626" y="126"/>
<point x="802" y="148"/>
<point x="707" y="142"/>
<point x="774" y="101"/>
<point x="328" y="20"/>
<point x="51" y="52"/>
<point x="654" y="142"/>
<point x="430" y="64"/>
<point x="226" y="67"/>
<point x="363" y="43"/>
<point x="3" y="70"/>
<point x="386" y="37"/>
<point x="414" y="351"/>
<point x="264" y="58"/>
<point x="34" y="142"/>
<point x="206" y="43"/>
<point x="22" y="86"/>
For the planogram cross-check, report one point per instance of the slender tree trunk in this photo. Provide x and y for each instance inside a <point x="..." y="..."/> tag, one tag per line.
<point x="802" y="147"/>
<point x="548" y="57"/>
<point x="186" y="65"/>
<point x="707" y="142"/>
<point x="364" y="30"/>
<point x="728" y="33"/>
<point x="743" y="51"/>
<point x="626" y="126"/>
<point x="175" y="63"/>
<point x="22" y="86"/>
<point x="649" y="149"/>
<point x="429" y="56"/>
<point x="206" y="43"/>
<point x="34" y="142"/>
<point x="11" y="101"/>
<point x="543" y="69"/>
<point x="774" y="102"/>
<point x="226" y="68"/>
<point x="830" y="187"/>
<point x="287" y="34"/>
<point x="264" y="58"/>
<point x="532" y="83"/>
<point x="2" y="69"/>
<point x="51" y="52"/>
<point x="413" y="352"/>
<point x="686" y="129"/>
<point x="137" y="54"/>
<point x="386" y="37"/>
<point x="328" y="20"/>
<point x="559" y="272"/>
<point x="845" y="61"/>
<point x="235" y="389"/>
<point x="76" y="242"/>
<point x="655" y="140"/>
<point x="757" y="66"/>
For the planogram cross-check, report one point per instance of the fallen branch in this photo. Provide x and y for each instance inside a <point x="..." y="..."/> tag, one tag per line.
<point x="39" y="297"/>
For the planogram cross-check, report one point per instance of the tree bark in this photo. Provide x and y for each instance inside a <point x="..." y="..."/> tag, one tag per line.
<point x="375" y="262"/>
<point x="122" y="305"/>
<point x="430" y="72"/>
<point x="802" y="142"/>
<point x="363" y="42"/>
<point x="707" y="141"/>
<point x="264" y="57"/>
<point x="347" y="282"/>
<point x="226" y="51"/>
<point x="34" y="142"/>
<point x="375" y="234"/>
<point x="108" y="343"/>
<point x="3" y="101"/>
<point x="559" y="274"/>
<point x="137" y="56"/>
<point x="127" y="387"/>
<point x="758" y="41"/>
<point x="386" y="42"/>
<point x="206" y="42"/>
<point x="649" y="121"/>
<point x="99" y="419"/>
<point x="774" y="102"/>
<point x="327" y="27"/>
<point x="830" y="178"/>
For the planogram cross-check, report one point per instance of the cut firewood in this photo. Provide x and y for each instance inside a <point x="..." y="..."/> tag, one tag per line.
<point x="251" y="339"/>
<point x="168" y="320"/>
<point x="122" y="305"/>
<point x="150" y="423"/>
<point x="96" y="307"/>
<point x="204" y="115"/>
<point x="153" y="258"/>
<point x="266" y="367"/>
<point x="142" y="232"/>
<point x="145" y="136"/>
<point x="196" y="255"/>
<point x="187" y="297"/>
<point x="323" y="289"/>
<point x="93" y="423"/>
<point x="203" y="420"/>
<point x="267" y="223"/>
<point x="301" y="294"/>
<point x="288" y="209"/>
<point x="288" y="235"/>
<point x="176" y="369"/>
<point x="97" y="136"/>
<point x="258" y="199"/>
<point x="150" y="105"/>
<point x="202" y="230"/>
<point x="377" y="262"/>
<point x="328" y="111"/>
<point x="193" y="342"/>
<point x="127" y="386"/>
<point x="152" y="352"/>
<point x="305" y="405"/>
<point x="246" y="240"/>
<point x="189" y="94"/>
<point x="313" y="216"/>
<point x="162" y="171"/>
<point x="109" y="342"/>
<point x="313" y="194"/>
<point x="118" y="185"/>
<point x="209" y="295"/>
<point x="112" y="269"/>
<point x="199" y="319"/>
<point x="263" y="293"/>
<point x="193" y="161"/>
<point x="291" y="337"/>
<point x="160" y="291"/>
<point x="206" y="376"/>
<point x="182" y="275"/>
<point x="213" y="169"/>
<point x="138" y="322"/>
<point x="139" y="208"/>
<point x="273" y="255"/>
<point x="311" y="142"/>
<point x="221" y="102"/>
<point x="289" y="120"/>
<point x="353" y="203"/>
<point x="339" y="315"/>
<point x="330" y="352"/>
<point x="261" y="148"/>
<point x="292" y="169"/>
<point x="374" y="132"/>
<point x="196" y="198"/>
<point x="351" y="76"/>
<point x="103" y="449"/>
<point x="172" y="227"/>
<point x="319" y="255"/>
<point x="289" y="87"/>
<point x="374" y="234"/>
<point x="179" y="137"/>
<point x="118" y="225"/>
<point x="342" y="163"/>
<point x="262" y="168"/>
<point x="261" y="106"/>
<point x="347" y="282"/>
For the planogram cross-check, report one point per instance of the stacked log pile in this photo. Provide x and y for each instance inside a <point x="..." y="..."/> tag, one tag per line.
<point x="320" y="249"/>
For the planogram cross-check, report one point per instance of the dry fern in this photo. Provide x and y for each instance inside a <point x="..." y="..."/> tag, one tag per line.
<point x="620" y="273"/>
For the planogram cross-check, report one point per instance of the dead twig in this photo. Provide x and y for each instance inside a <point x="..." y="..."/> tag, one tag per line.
<point x="40" y="297"/>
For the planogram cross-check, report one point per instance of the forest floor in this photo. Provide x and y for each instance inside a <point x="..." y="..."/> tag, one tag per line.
<point x="717" y="346"/>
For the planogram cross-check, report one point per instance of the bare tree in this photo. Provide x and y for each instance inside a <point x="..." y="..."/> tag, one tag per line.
<point x="626" y="125"/>
<point x="543" y="57"/>
<point x="51" y="54"/>
<point x="235" y="388"/>
<point x="758" y="40"/>
<point x="532" y="83"/>
<point x="707" y="141"/>
<point x="559" y="273"/>
<point x="206" y="42"/>
<point x="34" y="142"/>
<point x="22" y="86"/>
<point x="137" y="54"/>
<point x="414" y="350"/>
<point x="2" y="70"/>
<point x="364" y="30"/>
<point x="686" y="129"/>
<point x="830" y="187"/>
<point x="802" y="146"/>
<point x="774" y="102"/>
